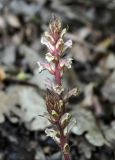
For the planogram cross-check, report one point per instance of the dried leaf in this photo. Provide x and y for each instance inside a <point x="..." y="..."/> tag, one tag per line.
<point x="32" y="105"/>
<point x="86" y="123"/>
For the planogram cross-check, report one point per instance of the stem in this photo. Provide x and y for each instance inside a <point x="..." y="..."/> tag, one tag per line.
<point x="63" y="141"/>
<point x="63" y="138"/>
<point x="66" y="156"/>
<point x="57" y="74"/>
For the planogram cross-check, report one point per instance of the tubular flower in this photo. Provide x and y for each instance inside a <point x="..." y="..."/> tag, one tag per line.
<point x="53" y="134"/>
<point x="46" y="66"/>
<point x="66" y="63"/>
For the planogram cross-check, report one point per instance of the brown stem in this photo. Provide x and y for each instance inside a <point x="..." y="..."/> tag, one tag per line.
<point x="63" y="141"/>
<point x="66" y="156"/>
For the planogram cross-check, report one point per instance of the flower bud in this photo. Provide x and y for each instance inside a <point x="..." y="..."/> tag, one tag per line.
<point x="65" y="119"/>
<point x="66" y="148"/>
<point x="60" y="105"/>
<point x="55" y="27"/>
<point x="55" y="115"/>
<point x="55" y="105"/>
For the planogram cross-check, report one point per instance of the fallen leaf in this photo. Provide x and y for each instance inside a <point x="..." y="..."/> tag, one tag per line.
<point x="31" y="106"/>
<point x="85" y="123"/>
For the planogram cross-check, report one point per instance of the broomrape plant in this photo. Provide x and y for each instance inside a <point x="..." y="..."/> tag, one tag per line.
<point x="56" y="99"/>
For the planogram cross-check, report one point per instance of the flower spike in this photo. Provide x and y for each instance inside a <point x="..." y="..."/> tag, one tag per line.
<point x="55" y="99"/>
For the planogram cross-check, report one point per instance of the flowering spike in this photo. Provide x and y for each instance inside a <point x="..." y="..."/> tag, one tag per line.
<point x="55" y="99"/>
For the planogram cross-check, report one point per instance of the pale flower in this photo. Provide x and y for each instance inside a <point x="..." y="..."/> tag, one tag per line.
<point x="49" y="37"/>
<point x="71" y="126"/>
<point x="58" y="89"/>
<point x="66" y="62"/>
<point x="46" y="42"/>
<point x="60" y="45"/>
<point x="49" y="57"/>
<point x="46" y="66"/>
<point x="67" y="44"/>
<point x="63" y="32"/>
<point x="52" y="133"/>
<point x="65" y="119"/>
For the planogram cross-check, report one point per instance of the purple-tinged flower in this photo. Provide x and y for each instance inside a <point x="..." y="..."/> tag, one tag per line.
<point x="46" y="42"/>
<point x="67" y="44"/>
<point x="67" y="62"/>
<point x="60" y="45"/>
<point x="46" y="66"/>
<point x="49" y="57"/>
<point x="49" y="37"/>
